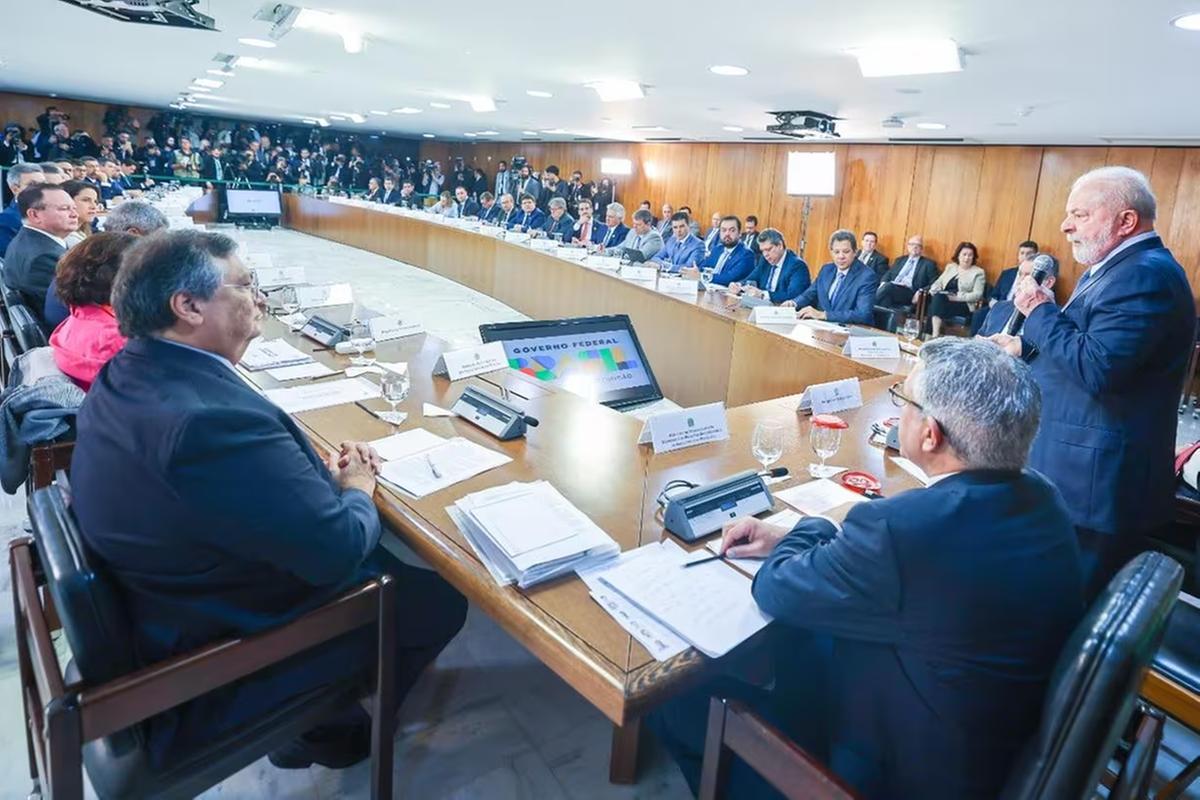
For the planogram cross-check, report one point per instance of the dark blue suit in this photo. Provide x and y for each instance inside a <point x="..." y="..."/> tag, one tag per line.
<point x="1004" y="284"/>
<point x="10" y="225"/>
<point x="793" y="278"/>
<point x="563" y="227"/>
<point x="1110" y="365"/>
<point x="612" y="237"/>
<point x="491" y="215"/>
<point x="238" y="527"/>
<point x="596" y="236"/>
<point x="737" y="267"/>
<point x="919" y="646"/>
<point x="533" y="220"/>
<point x="855" y="300"/>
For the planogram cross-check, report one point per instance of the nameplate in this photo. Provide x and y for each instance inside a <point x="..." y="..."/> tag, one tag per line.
<point x="491" y="230"/>
<point x="643" y="276"/>
<point x="384" y="329"/>
<point x="516" y="237"/>
<point x="680" y="286"/>
<point x="872" y="347"/>
<point x="606" y="263"/>
<point x="831" y="397"/>
<point x="270" y="277"/>
<point x="332" y="294"/>
<point x="773" y="315"/>
<point x="543" y="244"/>
<point x="689" y="427"/>
<point x="572" y="253"/>
<point x="456" y="364"/>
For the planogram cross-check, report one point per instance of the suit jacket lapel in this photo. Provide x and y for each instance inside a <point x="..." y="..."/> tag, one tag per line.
<point x="1107" y="270"/>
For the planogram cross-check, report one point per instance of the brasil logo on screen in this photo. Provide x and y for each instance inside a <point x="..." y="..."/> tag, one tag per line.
<point x="590" y="362"/>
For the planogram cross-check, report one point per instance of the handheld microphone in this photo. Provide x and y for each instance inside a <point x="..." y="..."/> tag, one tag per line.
<point x="1042" y="264"/>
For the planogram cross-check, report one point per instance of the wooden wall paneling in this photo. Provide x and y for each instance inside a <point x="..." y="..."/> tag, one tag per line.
<point x="945" y="213"/>
<point x="1184" y="238"/>
<point x="786" y="212"/>
<point x="1060" y="167"/>
<point x="736" y="182"/>
<point x="876" y="191"/>
<point x="1004" y="210"/>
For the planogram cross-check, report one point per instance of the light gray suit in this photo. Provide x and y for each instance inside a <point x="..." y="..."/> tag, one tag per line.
<point x="649" y="243"/>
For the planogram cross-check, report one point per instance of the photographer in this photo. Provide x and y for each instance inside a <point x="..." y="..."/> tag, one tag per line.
<point x="14" y="148"/>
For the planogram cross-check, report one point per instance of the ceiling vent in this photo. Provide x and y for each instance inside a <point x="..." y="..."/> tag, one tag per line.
<point x="892" y="122"/>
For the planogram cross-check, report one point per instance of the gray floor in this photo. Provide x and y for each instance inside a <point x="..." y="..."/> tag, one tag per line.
<point x="487" y="720"/>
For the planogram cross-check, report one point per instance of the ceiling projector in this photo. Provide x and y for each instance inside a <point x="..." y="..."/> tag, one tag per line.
<point x="803" y="124"/>
<point x="175" y="13"/>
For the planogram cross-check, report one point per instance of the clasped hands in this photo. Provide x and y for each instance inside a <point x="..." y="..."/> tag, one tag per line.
<point x="355" y="466"/>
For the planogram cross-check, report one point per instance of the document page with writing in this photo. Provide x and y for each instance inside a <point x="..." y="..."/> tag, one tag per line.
<point x="263" y="354"/>
<point x="818" y="496"/>
<point x="437" y="467"/>
<point x="309" y="396"/>
<point x="659" y="640"/>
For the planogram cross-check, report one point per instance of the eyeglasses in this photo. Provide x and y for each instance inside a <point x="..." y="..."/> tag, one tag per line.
<point x="251" y="287"/>
<point x="900" y="400"/>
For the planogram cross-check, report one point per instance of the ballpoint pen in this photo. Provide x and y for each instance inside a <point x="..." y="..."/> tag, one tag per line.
<point x="720" y="557"/>
<point x="432" y="468"/>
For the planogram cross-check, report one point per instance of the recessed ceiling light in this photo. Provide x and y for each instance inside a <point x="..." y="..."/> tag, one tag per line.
<point x="612" y="91"/>
<point x="529" y="133"/>
<point x="427" y="135"/>
<point x="648" y="128"/>
<point x="406" y="110"/>
<point x="199" y="89"/>
<point x="482" y="104"/>
<point x="733" y="129"/>
<point x="538" y="93"/>
<point x="932" y="126"/>
<point x="337" y="117"/>
<point x="325" y="22"/>
<point x="1188" y="22"/>
<point x="379" y="113"/>
<point x="908" y="58"/>
<point x="489" y="133"/>
<point x="224" y="73"/>
<point x="436" y="104"/>
<point x="252" y="62"/>
<point x="555" y="131"/>
<point x="250" y="42"/>
<point x="469" y="135"/>
<point x="359" y="118"/>
<point x="211" y="83"/>
<point x="729" y="69"/>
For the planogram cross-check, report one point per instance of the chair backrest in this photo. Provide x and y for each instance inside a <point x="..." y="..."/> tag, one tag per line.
<point x="26" y="328"/>
<point x="93" y="617"/>
<point x="1095" y="684"/>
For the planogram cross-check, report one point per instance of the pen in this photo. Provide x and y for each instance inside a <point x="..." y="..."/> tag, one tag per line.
<point x="339" y="373"/>
<point x="321" y="349"/>
<point x="432" y="468"/>
<point x="704" y="560"/>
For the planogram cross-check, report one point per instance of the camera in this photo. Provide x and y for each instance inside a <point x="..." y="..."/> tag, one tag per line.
<point x="517" y="162"/>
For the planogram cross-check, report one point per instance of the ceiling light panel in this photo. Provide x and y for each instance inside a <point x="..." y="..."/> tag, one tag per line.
<point x="615" y="91"/>
<point x="915" y="57"/>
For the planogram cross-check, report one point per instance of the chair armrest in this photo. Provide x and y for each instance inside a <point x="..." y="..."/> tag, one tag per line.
<point x="135" y="697"/>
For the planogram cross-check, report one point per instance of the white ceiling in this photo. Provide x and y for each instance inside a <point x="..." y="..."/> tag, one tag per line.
<point x="1036" y="71"/>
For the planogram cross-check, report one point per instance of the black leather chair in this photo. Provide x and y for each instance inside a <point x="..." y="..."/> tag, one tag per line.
<point x="1090" y="714"/>
<point x="101" y="703"/>
<point x="888" y="318"/>
<point x="1173" y="684"/>
<point x="26" y="328"/>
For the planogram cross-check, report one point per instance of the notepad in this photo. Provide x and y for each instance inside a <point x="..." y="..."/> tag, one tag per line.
<point x="311" y="370"/>
<point x="403" y="445"/>
<point x="660" y="641"/>
<point x="263" y="354"/>
<point x="818" y="496"/>
<point x="454" y="460"/>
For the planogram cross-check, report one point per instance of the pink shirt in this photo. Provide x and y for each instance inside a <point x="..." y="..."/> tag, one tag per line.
<point x="85" y="341"/>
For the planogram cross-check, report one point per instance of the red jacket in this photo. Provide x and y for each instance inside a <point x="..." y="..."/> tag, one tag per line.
<point x="85" y="341"/>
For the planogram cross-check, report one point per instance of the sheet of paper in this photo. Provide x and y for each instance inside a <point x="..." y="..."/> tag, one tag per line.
<point x="784" y="519"/>
<point x="307" y="397"/>
<point x="455" y="460"/>
<point x="313" y="370"/>
<point x="405" y="444"/>
<point x="269" y="354"/>
<point x="818" y="496"/>
<point x="659" y="640"/>
<point x="520" y="527"/>
<point x="710" y="605"/>
<point x="911" y="469"/>
<point x="430" y="410"/>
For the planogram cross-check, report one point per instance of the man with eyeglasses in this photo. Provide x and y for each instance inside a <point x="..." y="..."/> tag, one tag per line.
<point x="48" y="215"/>
<point x="238" y="525"/>
<point x="914" y="641"/>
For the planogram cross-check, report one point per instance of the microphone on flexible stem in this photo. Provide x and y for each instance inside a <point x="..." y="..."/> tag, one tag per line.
<point x="531" y="421"/>
<point x="778" y="472"/>
<point x="1041" y="268"/>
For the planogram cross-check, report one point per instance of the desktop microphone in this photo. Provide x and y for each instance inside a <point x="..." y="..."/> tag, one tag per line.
<point x="777" y="472"/>
<point x="1041" y="268"/>
<point x="531" y="421"/>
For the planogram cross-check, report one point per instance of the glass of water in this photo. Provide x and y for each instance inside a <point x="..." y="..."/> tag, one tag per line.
<point x="767" y="444"/>
<point x="289" y="303"/>
<point x="912" y="329"/>
<point x="706" y="275"/>
<point x="360" y="340"/>
<point x="394" y="388"/>
<point x="825" y="437"/>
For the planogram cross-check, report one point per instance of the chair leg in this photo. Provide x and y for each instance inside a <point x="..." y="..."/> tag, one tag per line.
<point x="383" y="716"/>
<point x="64" y="752"/>
<point x="715" y="768"/>
<point x="1179" y="784"/>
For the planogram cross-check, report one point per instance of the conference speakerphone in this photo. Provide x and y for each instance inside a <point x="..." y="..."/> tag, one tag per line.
<point x="705" y="509"/>
<point x="595" y="357"/>
<point x="499" y="418"/>
<point x="323" y="331"/>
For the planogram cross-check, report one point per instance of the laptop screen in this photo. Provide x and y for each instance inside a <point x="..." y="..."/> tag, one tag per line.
<point x="595" y="357"/>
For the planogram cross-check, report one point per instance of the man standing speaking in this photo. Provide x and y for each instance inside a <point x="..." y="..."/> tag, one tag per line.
<point x="1110" y="364"/>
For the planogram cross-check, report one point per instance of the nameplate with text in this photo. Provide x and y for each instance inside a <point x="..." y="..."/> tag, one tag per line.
<point x="332" y="294"/>
<point x="494" y="231"/>
<point x="572" y="253"/>
<point x="773" y="315"/>
<point x="384" y="329"/>
<point x="680" y="286"/>
<point x="606" y="263"/>
<point x="469" y="361"/>
<point x="543" y="244"/>
<point x="831" y="397"/>
<point x="516" y="237"/>
<point x="872" y="347"/>
<point x="271" y="277"/>
<point x="643" y="276"/>
<point x="689" y="427"/>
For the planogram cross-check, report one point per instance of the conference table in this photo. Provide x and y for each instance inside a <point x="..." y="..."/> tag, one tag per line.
<point x="589" y="452"/>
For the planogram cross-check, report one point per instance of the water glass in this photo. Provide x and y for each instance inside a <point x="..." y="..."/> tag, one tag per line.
<point x="361" y="341"/>
<point x="825" y="442"/>
<point x="767" y="444"/>
<point x="394" y="388"/>
<point x="912" y="329"/>
<point x="706" y="275"/>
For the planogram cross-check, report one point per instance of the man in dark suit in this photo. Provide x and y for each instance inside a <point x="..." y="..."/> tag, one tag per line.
<point x="391" y="195"/>
<point x="527" y="184"/>
<point x="48" y="215"/>
<point x="779" y="275"/>
<point x="664" y="225"/>
<point x="558" y="224"/>
<point x="1110" y="363"/>
<point x="844" y="290"/>
<point x="909" y="274"/>
<point x="913" y="651"/>
<point x="728" y="259"/>
<point x="18" y="177"/>
<point x="1006" y="285"/>
<point x="615" y="230"/>
<point x="239" y="526"/>
<point x="996" y="318"/>
<point x="529" y="217"/>
<point x="870" y="257"/>
<point x="408" y="196"/>
<point x="489" y="211"/>
<point x="467" y="206"/>
<point x="586" y="230"/>
<point x="712" y="239"/>
<point x="212" y="164"/>
<point x="750" y="234"/>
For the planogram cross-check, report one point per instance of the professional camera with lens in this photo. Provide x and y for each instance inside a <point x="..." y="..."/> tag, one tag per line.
<point x="517" y="162"/>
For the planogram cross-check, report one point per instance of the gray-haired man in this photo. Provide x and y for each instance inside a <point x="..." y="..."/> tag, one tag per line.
<point x="922" y="631"/>
<point x="17" y="177"/>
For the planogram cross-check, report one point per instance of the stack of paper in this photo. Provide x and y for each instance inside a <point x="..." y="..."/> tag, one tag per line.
<point x="432" y="466"/>
<point x="263" y="354"/>
<point x="526" y="533"/>
<point x="709" y="606"/>
<point x="309" y="396"/>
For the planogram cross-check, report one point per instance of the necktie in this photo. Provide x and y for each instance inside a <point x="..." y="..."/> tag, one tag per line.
<point x="775" y="272"/>
<point x="637" y="242"/>
<point x="585" y="233"/>
<point x="837" y="284"/>
<point x="721" y="260"/>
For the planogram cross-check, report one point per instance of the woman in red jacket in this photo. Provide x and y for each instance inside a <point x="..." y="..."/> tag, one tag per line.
<point x="88" y="338"/>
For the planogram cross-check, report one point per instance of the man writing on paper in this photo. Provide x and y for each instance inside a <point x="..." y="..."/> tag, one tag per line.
<point x="915" y="651"/>
<point x="238" y="525"/>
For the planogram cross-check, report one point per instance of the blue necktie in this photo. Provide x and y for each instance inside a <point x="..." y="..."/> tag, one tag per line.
<point x="837" y="284"/>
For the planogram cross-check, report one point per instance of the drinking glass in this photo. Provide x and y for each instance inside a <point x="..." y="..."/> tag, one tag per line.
<point x="289" y="303"/>
<point x="751" y="287"/>
<point x="394" y="388"/>
<point x="360" y="340"/>
<point x="912" y="329"/>
<point x="767" y="444"/>
<point x="706" y="275"/>
<point x="825" y="441"/>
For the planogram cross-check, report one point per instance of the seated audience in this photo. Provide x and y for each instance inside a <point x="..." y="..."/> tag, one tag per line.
<point x="682" y="249"/>
<point x="239" y="526"/>
<point x="712" y="239"/>
<point x="870" y="257"/>
<point x="958" y="291"/>
<point x="18" y="176"/>
<point x="391" y="195"/>
<point x="559" y="224"/>
<point x="445" y="206"/>
<point x="995" y="319"/>
<point x="902" y="691"/>
<point x="467" y="205"/>
<point x="408" y="195"/>
<point x="1006" y="284"/>
<point x="489" y="211"/>
<point x="48" y="216"/>
<point x="908" y="275"/>
<point x="89" y="337"/>
<point x="530" y="217"/>
<point x="87" y="206"/>
<point x="643" y="237"/>
<point x="728" y="259"/>
<point x="750" y="234"/>
<point x="664" y="223"/>
<point x="508" y="211"/>
<point x="374" y="190"/>
<point x="844" y="290"/>
<point x="615" y="229"/>
<point x="586" y="230"/>
<point x="779" y="274"/>
<point x="61" y="172"/>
